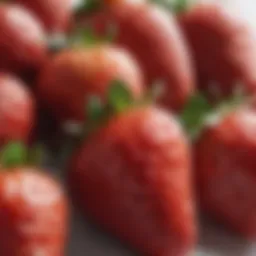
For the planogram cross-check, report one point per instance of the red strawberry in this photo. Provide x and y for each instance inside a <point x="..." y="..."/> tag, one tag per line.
<point x="223" y="45"/>
<point x="17" y="110"/>
<point x="32" y="214"/>
<point x="55" y="14"/>
<point x="71" y="77"/>
<point x="152" y="35"/>
<point x="33" y="208"/>
<point x="22" y="39"/>
<point x="133" y="178"/>
<point x="225" y="170"/>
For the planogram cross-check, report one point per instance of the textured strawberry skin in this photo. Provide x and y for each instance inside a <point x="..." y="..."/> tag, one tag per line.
<point x="159" y="46"/>
<point x="54" y="14"/>
<point x="33" y="214"/>
<point x="132" y="177"/>
<point x="223" y="46"/>
<point x="17" y="109"/>
<point x="67" y="81"/>
<point x="22" y="39"/>
<point x="225" y="167"/>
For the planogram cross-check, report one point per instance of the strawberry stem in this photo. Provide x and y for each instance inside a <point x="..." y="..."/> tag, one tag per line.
<point x="176" y="6"/>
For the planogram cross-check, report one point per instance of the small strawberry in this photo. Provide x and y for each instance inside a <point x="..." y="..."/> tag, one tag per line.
<point x="225" y="169"/>
<point x="153" y="36"/>
<point x="72" y="76"/>
<point x="132" y="176"/>
<point x="33" y="208"/>
<point x="22" y="39"/>
<point x="17" y="110"/>
<point x="222" y="42"/>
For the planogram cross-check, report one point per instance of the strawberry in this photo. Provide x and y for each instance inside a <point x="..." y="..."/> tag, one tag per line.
<point x="159" y="46"/>
<point x="33" y="209"/>
<point x="22" y="39"/>
<point x="132" y="176"/>
<point x="223" y="45"/>
<point x="54" y="14"/>
<point x="17" y="110"/>
<point x="72" y="76"/>
<point x="225" y="169"/>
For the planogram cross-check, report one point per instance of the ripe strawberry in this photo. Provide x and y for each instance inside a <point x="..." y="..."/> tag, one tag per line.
<point x="54" y="14"/>
<point x="33" y="212"/>
<point x="152" y="35"/>
<point x="71" y="77"/>
<point x="223" y="45"/>
<point x="133" y="178"/>
<point x="225" y="170"/>
<point x="22" y="39"/>
<point x="17" y="110"/>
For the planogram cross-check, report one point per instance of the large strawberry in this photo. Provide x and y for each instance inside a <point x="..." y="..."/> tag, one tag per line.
<point x="17" y="110"/>
<point x="223" y="45"/>
<point x="72" y="76"/>
<point x="225" y="169"/>
<point x="33" y="208"/>
<point x="132" y="176"/>
<point x="55" y="14"/>
<point x="22" y="39"/>
<point x="152" y="35"/>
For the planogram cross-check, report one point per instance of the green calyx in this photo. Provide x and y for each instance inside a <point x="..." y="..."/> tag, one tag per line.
<point x="198" y="111"/>
<point x="119" y="99"/>
<point x="16" y="154"/>
<point x="194" y="114"/>
<point x="86" y="36"/>
<point x="89" y="7"/>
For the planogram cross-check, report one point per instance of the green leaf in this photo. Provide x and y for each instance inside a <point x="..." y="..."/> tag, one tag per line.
<point x="119" y="96"/>
<point x="89" y="6"/>
<point x="95" y="109"/>
<point x="176" y="6"/>
<point x="195" y="113"/>
<point x="14" y="154"/>
<point x="180" y="6"/>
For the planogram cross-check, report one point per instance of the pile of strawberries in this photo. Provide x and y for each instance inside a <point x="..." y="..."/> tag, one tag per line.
<point x="163" y="96"/>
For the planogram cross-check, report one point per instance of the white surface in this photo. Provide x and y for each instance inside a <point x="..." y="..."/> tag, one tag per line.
<point x="214" y="241"/>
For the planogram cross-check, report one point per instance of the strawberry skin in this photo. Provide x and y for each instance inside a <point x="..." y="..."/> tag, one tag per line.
<point x="22" y="39"/>
<point x="223" y="45"/>
<point x="33" y="214"/>
<point x="159" y="46"/>
<point x="133" y="179"/>
<point x="70" y="78"/>
<point x="225" y="166"/>
<point x="54" y="14"/>
<point x="17" y="109"/>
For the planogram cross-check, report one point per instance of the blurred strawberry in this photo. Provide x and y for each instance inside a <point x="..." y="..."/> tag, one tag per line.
<point x="54" y="14"/>
<point x="225" y="169"/>
<point x="22" y="39"/>
<point x="72" y="76"/>
<point x="33" y="212"/>
<point x="132" y="176"/>
<point x="153" y="36"/>
<point x="223" y="45"/>
<point x="17" y="110"/>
